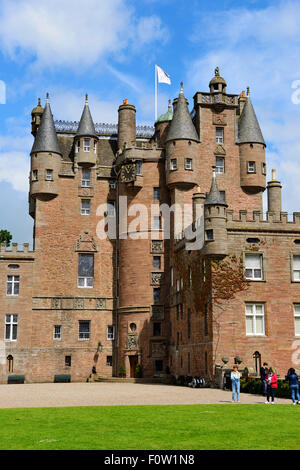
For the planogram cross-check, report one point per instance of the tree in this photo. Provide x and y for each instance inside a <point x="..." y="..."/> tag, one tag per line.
<point x="5" y="237"/>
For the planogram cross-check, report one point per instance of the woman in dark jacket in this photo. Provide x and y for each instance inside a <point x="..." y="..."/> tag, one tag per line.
<point x="292" y="378"/>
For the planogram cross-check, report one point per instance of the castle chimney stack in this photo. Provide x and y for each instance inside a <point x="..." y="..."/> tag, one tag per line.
<point x="274" y="195"/>
<point x="126" y="124"/>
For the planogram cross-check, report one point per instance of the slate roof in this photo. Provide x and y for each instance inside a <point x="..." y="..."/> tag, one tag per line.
<point x="46" y="138"/>
<point x="214" y="196"/>
<point x="182" y="126"/>
<point x="86" y="125"/>
<point x="249" y="129"/>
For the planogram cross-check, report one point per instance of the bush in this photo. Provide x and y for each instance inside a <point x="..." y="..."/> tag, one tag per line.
<point x="255" y="386"/>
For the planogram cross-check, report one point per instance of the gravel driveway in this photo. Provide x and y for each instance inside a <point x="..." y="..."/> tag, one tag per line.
<point x="107" y="394"/>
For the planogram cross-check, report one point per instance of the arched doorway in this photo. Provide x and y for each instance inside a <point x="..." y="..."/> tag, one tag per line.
<point x="257" y="362"/>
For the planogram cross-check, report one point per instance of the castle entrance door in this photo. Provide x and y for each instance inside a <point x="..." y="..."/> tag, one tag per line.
<point x="133" y="360"/>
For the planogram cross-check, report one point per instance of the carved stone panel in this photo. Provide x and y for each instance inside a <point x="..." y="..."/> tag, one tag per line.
<point x="86" y="242"/>
<point x="157" y="278"/>
<point x="78" y="303"/>
<point x="101" y="304"/>
<point x="219" y="119"/>
<point x="56" y="303"/>
<point x="132" y="341"/>
<point x="158" y="349"/>
<point x="157" y="246"/>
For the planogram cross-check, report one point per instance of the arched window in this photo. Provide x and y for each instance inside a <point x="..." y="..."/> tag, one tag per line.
<point x="10" y="363"/>
<point x="257" y="360"/>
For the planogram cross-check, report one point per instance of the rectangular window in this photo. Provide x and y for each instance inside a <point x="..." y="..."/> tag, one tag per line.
<point x="109" y="361"/>
<point x="95" y="146"/>
<point x="110" y="332"/>
<point x="86" y="145"/>
<point x="296" y="268"/>
<point x="112" y="184"/>
<point x="297" y="319"/>
<point x="219" y="135"/>
<point x="156" y="294"/>
<point x="177" y="311"/>
<point x="220" y="165"/>
<point x="158" y="366"/>
<point x="209" y="234"/>
<point x="86" y="270"/>
<point x="188" y="164"/>
<point x="34" y="175"/>
<point x="206" y="320"/>
<point x="84" y="330"/>
<point x="57" y="332"/>
<point x="111" y="209"/>
<point x="156" y="329"/>
<point x="68" y="361"/>
<point x="156" y="222"/>
<point x="157" y="262"/>
<point x="263" y="169"/>
<point x="11" y="327"/>
<point x="251" y="167"/>
<point x="138" y="167"/>
<point x="189" y="324"/>
<point x="223" y="196"/>
<point x="86" y="177"/>
<point x="253" y="264"/>
<point x="255" y="319"/>
<point x="156" y="194"/>
<point x="13" y="285"/>
<point x="85" y="206"/>
<point x="78" y="146"/>
<point x="174" y="164"/>
<point x="49" y="175"/>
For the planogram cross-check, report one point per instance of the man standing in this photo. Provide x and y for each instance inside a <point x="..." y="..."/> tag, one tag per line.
<point x="263" y="374"/>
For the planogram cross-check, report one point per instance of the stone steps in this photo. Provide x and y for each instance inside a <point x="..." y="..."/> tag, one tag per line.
<point x="149" y="380"/>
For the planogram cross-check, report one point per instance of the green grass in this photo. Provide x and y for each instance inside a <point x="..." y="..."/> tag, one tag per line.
<point x="190" y="427"/>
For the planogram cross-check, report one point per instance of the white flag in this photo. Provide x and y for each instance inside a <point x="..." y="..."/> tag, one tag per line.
<point x="162" y="76"/>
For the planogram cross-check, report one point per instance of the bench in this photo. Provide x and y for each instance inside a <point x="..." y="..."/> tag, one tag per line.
<point x="62" y="378"/>
<point x="16" y="379"/>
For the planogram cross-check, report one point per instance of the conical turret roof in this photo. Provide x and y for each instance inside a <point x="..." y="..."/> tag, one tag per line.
<point x="86" y="125"/>
<point x="214" y="196"/>
<point x="249" y="129"/>
<point x="182" y="126"/>
<point x="46" y="138"/>
<point x="168" y="116"/>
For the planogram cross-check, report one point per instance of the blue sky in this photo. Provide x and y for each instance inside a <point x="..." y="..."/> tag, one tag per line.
<point x="108" y="49"/>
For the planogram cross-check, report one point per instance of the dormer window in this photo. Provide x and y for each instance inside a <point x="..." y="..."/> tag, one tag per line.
<point x="87" y="145"/>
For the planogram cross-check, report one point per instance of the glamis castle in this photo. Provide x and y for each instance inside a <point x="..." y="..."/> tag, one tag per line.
<point x="142" y="302"/>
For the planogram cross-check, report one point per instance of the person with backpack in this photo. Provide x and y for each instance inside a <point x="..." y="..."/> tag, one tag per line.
<point x="293" y="380"/>
<point x="271" y="379"/>
<point x="235" y="382"/>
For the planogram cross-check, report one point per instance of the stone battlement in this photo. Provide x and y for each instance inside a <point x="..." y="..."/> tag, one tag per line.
<point x="13" y="251"/>
<point x="255" y="221"/>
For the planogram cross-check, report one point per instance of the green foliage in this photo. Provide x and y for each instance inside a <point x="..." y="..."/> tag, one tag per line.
<point x="122" y="370"/>
<point x="5" y="237"/>
<point x="255" y="386"/>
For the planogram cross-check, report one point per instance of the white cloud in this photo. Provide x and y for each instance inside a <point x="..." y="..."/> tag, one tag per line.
<point x="14" y="169"/>
<point x="73" y="33"/>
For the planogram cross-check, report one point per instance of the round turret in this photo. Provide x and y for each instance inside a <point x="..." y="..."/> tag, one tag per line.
<point x="86" y="139"/>
<point x="45" y="157"/>
<point x="217" y="83"/>
<point x="126" y="124"/>
<point x="274" y="195"/>
<point x="182" y="147"/>
<point x="216" y="245"/>
<point x="162" y="125"/>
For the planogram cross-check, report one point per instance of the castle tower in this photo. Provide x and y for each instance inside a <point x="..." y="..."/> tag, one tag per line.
<point x="215" y="222"/>
<point x="126" y="124"/>
<point x="36" y="115"/>
<point x="217" y="84"/>
<point x="86" y="139"/>
<point x="45" y="158"/>
<point x="181" y="147"/>
<point x="274" y="196"/>
<point x="252" y="150"/>
<point x="162" y="125"/>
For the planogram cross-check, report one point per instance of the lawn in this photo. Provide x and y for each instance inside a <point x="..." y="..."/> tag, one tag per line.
<point x="189" y="427"/>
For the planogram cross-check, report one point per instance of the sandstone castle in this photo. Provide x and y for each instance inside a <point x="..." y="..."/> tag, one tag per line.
<point x="79" y="301"/>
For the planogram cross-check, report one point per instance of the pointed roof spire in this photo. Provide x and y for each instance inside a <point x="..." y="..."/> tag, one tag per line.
<point x="214" y="196"/>
<point x="249" y="129"/>
<point x="182" y="126"/>
<point x="86" y="125"/>
<point x="168" y="116"/>
<point x="46" y="138"/>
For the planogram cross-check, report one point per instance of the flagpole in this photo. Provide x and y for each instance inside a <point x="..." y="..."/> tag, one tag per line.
<point x="155" y="94"/>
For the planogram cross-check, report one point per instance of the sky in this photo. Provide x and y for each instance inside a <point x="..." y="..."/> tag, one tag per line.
<point x="109" y="49"/>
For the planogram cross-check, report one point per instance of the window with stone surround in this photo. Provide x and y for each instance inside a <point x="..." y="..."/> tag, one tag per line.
<point x="85" y="177"/>
<point x="49" y="175"/>
<point x="57" y="332"/>
<point x="13" y="285"/>
<point x="220" y="165"/>
<point x="85" y="206"/>
<point x="296" y="268"/>
<point x="157" y="262"/>
<point x="109" y="361"/>
<point x="84" y="330"/>
<point x="11" y="327"/>
<point x="219" y="135"/>
<point x="85" y="270"/>
<point x="297" y="319"/>
<point x="255" y="319"/>
<point x="78" y="146"/>
<point x="156" y="294"/>
<point x="156" y="194"/>
<point x="110" y="332"/>
<point x="251" y="167"/>
<point x="188" y="163"/>
<point x="174" y="164"/>
<point x="156" y="329"/>
<point x="138" y="167"/>
<point x="253" y="266"/>
<point x="86" y="145"/>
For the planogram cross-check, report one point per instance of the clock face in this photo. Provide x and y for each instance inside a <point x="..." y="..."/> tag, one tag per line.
<point x="128" y="172"/>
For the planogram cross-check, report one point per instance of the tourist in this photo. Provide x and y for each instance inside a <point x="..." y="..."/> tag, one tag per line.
<point x="292" y="378"/>
<point x="235" y="382"/>
<point x="263" y="373"/>
<point x="271" y="380"/>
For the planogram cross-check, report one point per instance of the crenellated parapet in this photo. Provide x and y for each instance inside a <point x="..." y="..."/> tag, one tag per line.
<point x="14" y="252"/>
<point x="254" y="221"/>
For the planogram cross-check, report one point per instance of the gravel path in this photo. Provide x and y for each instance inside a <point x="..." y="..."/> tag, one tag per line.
<point x="107" y="394"/>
